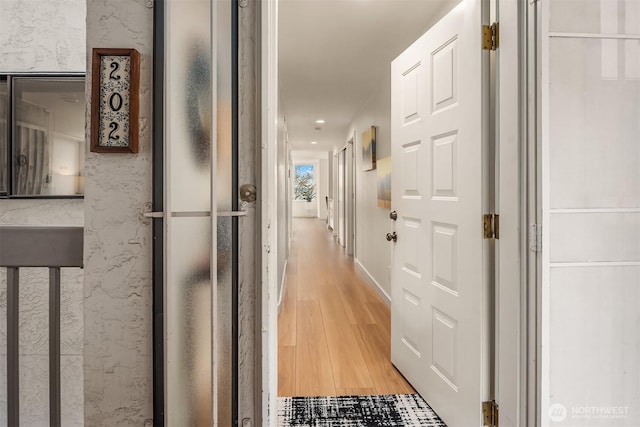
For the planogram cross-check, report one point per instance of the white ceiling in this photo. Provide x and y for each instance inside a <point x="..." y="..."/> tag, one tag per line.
<point x="333" y="53"/>
<point x="301" y="156"/>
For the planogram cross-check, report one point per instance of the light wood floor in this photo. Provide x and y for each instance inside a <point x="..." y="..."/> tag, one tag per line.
<point x="333" y="328"/>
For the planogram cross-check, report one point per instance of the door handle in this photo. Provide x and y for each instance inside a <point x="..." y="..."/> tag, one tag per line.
<point x="393" y="215"/>
<point x="392" y="236"/>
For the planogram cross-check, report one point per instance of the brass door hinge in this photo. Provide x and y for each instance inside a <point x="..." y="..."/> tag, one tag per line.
<point x="491" y="36"/>
<point x="491" y="226"/>
<point x="490" y="413"/>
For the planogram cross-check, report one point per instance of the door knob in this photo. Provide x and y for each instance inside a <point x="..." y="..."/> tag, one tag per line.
<point x="392" y="236"/>
<point x="248" y="193"/>
<point x="393" y="215"/>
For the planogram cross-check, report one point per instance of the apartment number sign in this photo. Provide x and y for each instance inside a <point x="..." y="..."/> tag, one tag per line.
<point x="114" y="100"/>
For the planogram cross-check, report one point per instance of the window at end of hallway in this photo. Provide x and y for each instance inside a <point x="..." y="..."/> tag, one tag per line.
<point x="304" y="187"/>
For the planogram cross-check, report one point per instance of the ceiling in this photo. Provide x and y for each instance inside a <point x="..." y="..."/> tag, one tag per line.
<point x="333" y="54"/>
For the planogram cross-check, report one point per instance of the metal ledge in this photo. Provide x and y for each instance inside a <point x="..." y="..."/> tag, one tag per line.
<point x="32" y="246"/>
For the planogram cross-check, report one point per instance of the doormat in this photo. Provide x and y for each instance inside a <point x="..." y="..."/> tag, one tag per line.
<point x="394" y="410"/>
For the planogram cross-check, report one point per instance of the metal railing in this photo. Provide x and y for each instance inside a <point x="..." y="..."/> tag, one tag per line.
<point x="48" y="247"/>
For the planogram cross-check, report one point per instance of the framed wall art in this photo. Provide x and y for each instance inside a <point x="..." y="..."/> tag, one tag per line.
<point x="383" y="169"/>
<point x="369" y="149"/>
<point x="114" y="100"/>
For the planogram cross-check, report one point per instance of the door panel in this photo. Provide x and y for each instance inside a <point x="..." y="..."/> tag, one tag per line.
<point x="188" y="240"/>
<point x="199" y="258"/>
<point x="439" y="329"/>
<point x="590" y="211"/>
<point x="342" y="212"/>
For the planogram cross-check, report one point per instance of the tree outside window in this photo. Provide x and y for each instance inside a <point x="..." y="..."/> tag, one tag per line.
<point x="304" y="187"/>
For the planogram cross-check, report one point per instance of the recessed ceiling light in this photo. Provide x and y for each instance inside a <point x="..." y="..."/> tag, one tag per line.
<point x="314" y="142"/>
<point x="320" y="121"/>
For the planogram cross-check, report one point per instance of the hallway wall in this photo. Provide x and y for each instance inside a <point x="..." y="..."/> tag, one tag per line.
<point x="283" y="198"/>
<point x="372" y="251"/>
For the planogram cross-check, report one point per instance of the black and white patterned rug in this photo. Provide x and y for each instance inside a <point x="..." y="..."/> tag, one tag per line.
<point x="394" y="410"/>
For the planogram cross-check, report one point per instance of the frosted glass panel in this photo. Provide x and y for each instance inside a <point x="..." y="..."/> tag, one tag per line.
<point x="224" y="306"/>
<point x="595" y="16"/>
<point x="188" y="104"/>
<point x="223" y="347"/>
<point x="224" y="107"/>
<point x="188" y="286"/>
<point x="594" y="123"/>
<point x="190" y="139"/>
<point x="188" y="325"/>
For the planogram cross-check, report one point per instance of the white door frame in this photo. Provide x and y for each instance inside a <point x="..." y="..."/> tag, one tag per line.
<point x="269" y="213"/>
<point x="513" y="389"/>
<point x="334" y="190"/>
<point x="349" y="194"/>
<point x="511" y="297"/>
<point x="341" y="177"/>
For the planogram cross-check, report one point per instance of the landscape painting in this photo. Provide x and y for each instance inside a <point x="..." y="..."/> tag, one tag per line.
<point x="384" y="182"/>
<point x="369" y="149"/>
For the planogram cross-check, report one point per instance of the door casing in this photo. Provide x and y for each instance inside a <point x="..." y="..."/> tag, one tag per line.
<point x="516" y="327"/>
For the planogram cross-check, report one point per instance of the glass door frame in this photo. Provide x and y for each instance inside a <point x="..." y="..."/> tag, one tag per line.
<point x="158" y="206"/>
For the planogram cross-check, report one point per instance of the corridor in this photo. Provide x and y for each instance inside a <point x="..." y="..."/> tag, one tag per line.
<point x="333" y="328"/>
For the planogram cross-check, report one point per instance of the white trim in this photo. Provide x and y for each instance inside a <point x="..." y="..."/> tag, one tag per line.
<point x="269" y="212"/>
<point x="531" y="214"/>
<point x="373" y="282"/>
<point x="598" y="36"/>
<point x="354" y="188"/>
<point x="545" y="202"/>
<point x="594" y="264"/>
<point x="510" y="192"/>
<point x="282" y="285"/>
<point x="593" y="210"/>
<point x="350" y="200"/>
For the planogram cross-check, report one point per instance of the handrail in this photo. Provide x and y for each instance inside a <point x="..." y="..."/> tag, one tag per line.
<point x="35" y="246"/>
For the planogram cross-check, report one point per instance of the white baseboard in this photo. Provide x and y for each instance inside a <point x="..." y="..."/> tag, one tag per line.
<point x="282" y="285"/>
<point x="373" y="282"/>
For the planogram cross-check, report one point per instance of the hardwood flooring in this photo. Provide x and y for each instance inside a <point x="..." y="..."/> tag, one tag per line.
<point x="333" y="328"/>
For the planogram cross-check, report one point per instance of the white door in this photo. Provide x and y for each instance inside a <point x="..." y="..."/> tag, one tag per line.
<point x="439" y="280"/>
<point x="341" y="198"/>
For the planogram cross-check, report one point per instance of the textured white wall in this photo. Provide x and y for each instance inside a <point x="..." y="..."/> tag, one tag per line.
<point x="44" y="37"/>
<point x="117" y="251"/>
<point x="373" y="252"/>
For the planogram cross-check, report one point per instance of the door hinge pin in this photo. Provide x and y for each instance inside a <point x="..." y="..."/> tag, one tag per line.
<point x="491" y="36"/>
<point x="491" y="226"/>
<point x="490" y="413"/>
<point x="535" y="237"/>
